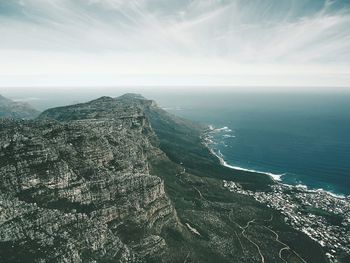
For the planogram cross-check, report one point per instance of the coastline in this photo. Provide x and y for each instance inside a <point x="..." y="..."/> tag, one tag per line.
<point x="208" y="140"/>
<point x="321" y="215"/>
<point x="275" y="177"/>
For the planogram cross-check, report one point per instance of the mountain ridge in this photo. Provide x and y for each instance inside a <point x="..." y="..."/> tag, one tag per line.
<point x="16" y="110"/>
<point x="140" y="177"/>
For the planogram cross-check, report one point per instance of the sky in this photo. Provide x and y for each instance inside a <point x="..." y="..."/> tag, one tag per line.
<point x="284" y="44"/>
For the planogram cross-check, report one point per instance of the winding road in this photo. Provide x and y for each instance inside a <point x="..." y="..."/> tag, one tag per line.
<point x="255" y="244"/>
<point x="243" y="234"/>
<point x="286" y="247"/>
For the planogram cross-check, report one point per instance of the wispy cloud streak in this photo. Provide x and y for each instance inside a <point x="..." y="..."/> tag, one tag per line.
<point x="280" y="34"/>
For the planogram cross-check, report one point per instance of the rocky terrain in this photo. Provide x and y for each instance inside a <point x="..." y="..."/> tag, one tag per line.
<point x="121" y="180"/>
<point x="82" y="191"/>
<point x="16" y="110"/>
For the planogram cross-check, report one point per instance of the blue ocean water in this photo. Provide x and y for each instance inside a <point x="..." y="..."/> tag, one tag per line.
<point x="305" y="137"/>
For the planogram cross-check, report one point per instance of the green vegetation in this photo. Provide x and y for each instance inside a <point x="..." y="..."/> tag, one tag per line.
<point x="193" y="181"/>
<point x="181" y="141"/>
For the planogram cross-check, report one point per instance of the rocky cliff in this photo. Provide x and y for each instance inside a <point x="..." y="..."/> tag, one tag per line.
<point x="81" y="190"/>
<point x="121" y="180"/>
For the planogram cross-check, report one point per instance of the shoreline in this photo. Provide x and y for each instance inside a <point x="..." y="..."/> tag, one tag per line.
<point x="274" y="177"/>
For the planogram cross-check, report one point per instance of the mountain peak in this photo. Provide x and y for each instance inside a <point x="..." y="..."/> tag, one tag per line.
<point x="104" y="99"/>
<point x="132" y="96"/>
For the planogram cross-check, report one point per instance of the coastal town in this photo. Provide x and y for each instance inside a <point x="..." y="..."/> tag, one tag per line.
<point x="322" y="216"/>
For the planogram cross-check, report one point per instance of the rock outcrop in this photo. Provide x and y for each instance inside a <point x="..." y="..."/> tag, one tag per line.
<point x="121" y="180"/>
<point x="80" y="190"/>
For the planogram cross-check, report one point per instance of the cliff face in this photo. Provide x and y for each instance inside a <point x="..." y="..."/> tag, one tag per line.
<point x="94" y="182"/>
<point x="80" y="190"/>
<point x="16" y="110"/>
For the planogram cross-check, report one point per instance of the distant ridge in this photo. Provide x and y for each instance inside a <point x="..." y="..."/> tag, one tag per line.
<point x="16" y="110"/>
<point x="132" y="96"/>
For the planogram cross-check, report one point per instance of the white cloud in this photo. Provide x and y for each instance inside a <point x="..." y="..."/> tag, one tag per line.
<point x="228" y="41"/>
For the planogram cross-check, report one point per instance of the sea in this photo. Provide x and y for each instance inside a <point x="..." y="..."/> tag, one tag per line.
<point x="298" y="139"/>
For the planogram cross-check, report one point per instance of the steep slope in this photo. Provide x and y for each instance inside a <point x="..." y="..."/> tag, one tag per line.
<point x="81" y="191"/>
<point x="16" y="110"/>
<point x="214" y="224"/>
<point x="121" y="180"/>
<point x="182" y="141"/>
<point x="230" y="227"/>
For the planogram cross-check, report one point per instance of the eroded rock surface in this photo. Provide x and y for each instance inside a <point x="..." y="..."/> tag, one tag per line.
<point x="80" y="190"/>
<point x="94" y="182"/>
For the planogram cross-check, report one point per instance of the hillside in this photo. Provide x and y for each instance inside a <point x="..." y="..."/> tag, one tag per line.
<point x="16" y="110"/>
<point x="121" y="180"/>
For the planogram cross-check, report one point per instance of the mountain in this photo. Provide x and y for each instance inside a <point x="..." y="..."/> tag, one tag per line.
<point x="121" y="180"/>
<point x="16" y="110"/>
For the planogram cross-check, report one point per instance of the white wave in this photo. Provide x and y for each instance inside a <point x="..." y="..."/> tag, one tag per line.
<point x="306" y="188"/>
<point x="303" y="186"/>
<point x="229" y="136"/>
<point x="275" y="177"/>
<point x="336" y="195"/>
<point x="209" y="141"/>
<point x="223" y="129"/>
<point x="171" y="108"/>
